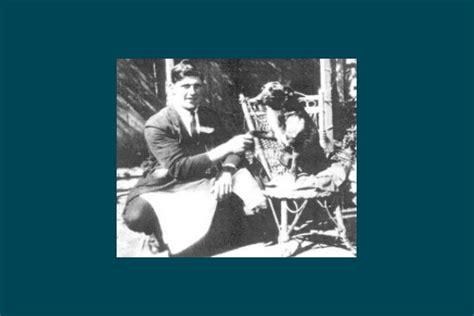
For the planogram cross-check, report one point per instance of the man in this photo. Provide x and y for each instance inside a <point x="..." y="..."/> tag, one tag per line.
<point x="184" y="199"/>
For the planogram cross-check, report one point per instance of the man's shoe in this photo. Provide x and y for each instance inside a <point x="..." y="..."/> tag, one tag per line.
<point x="153" y="246"/>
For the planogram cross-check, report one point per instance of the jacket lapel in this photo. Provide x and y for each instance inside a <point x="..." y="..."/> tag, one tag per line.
<point x="177" y="123"/>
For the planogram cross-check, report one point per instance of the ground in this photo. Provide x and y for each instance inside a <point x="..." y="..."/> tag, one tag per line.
<point x="313" y="236"/>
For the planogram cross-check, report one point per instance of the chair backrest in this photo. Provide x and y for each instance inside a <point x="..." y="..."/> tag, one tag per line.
<point x="313" y="105"/>
<point x="268" y="151"/>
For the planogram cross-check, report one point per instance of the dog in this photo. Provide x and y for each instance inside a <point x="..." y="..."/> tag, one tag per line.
<point x="291" y="126"/>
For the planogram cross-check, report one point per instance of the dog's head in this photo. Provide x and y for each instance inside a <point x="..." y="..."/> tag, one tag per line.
<point x="274" y="95"/>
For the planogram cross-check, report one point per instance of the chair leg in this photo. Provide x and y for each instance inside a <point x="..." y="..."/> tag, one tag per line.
<point x="341" y="227"/>
<point x="284" y="234"/>
<point x="338" y="220"/>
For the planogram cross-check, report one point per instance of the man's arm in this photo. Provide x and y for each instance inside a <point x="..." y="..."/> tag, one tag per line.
<point x="223" y="186"/>
<point x="171" y="155"/>
<point x="222" y="135"/>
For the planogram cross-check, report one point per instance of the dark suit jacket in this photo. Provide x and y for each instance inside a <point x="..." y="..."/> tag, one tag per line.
<point x="184" y="157"/>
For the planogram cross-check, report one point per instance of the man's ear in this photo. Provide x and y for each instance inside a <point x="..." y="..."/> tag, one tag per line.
<point x="169" y="89"/>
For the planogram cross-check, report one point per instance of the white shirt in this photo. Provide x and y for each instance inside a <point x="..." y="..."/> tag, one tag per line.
<point x="187" y="118"/>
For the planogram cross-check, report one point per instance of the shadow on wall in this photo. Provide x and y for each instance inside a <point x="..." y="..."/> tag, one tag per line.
<point x="137" y="100"/>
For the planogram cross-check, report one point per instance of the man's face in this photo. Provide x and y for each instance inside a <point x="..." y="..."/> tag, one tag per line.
<point x="188" y="93"/>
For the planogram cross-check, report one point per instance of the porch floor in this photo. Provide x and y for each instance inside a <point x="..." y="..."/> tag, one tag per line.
<point x="314" y="236"/>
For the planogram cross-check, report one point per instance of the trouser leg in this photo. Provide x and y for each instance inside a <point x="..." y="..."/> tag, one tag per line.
<point x="139" y="216"/>
<point x="224" y="233"/>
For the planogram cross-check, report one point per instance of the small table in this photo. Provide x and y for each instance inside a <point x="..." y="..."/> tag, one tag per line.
<point x="298" y="199"/>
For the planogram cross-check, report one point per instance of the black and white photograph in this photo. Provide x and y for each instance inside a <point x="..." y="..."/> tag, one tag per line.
<point x="179" y="157"/>
<point x="245" y="158"/>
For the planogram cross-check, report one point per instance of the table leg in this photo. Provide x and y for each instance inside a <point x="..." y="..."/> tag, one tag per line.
<point x="284" y="235"/>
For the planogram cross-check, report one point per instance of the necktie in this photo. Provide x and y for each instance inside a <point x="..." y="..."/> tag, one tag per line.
<point x="193" y="125"/>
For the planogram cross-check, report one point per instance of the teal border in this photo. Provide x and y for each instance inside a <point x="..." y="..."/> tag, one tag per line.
<point x="415" y="75"/>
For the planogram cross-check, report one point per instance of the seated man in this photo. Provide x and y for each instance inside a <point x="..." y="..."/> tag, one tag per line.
<point x="185" y="199"/>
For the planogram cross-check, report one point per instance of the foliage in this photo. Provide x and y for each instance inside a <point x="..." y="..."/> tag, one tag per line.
<point x="346" y="153"/>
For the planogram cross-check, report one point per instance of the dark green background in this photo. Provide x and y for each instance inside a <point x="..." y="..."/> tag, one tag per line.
<point x="415" y="81"/>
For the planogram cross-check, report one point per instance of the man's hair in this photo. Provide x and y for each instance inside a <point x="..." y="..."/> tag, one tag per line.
<point x="185" y="68"/>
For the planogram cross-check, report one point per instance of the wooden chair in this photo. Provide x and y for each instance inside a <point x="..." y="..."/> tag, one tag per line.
<point x="292" y="201"/>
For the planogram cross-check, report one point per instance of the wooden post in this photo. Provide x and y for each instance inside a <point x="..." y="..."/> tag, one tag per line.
<point x="169" y="64"/>
<point x="340" y="82"/>
<point x="325" y="118"/>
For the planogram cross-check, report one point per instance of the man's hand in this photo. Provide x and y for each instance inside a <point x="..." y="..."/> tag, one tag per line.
<point x="223" y="186"/>
<point x="238" y="144"/>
